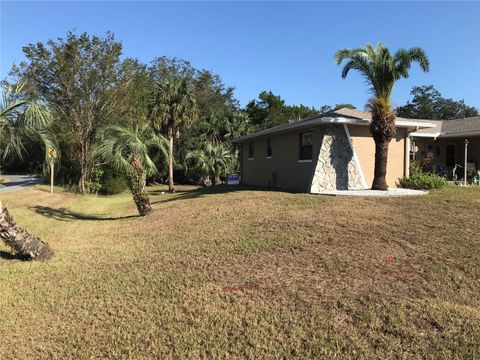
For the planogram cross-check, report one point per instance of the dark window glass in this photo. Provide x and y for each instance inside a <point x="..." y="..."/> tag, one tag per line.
<point x="306" y="146"/>
<point x="269" y="148"/>
<point x="250" y="151"/>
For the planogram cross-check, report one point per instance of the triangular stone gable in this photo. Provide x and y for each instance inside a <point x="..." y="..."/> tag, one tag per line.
<point x="337" y="167"/>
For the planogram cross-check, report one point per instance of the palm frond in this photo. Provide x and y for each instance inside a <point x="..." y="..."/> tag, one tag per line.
<point x="379" y="68"/>
<point x="118" y="146"/>
<point x="22" y="118"/>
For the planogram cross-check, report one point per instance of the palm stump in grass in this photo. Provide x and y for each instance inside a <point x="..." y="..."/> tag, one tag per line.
<point x="26" y="245"/>
<point x="381" y="70"/>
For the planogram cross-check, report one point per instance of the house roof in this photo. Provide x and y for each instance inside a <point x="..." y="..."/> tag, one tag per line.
<point x="340" y="116"/>
<point x="452" y="128"/>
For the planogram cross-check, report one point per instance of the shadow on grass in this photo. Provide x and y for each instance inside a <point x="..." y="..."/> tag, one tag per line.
<point x="66" y="214"/>
<point x="12" y="256"/>
<point x="205" y="191"/>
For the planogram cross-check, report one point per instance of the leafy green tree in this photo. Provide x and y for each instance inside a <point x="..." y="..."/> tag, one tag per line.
<point x="328" y="108"/>
<point x="219" y="118"/>
<point x="127" y="150"/>
<point x="22" y="117"/>
<point x="167" y="67"/>
<point x="428" y="103"/>
<point x="214" y="160"/>
<point x="344" y="105"/>
<point x="87" y="85"/>
<point x="381" y="70"/>
<point x="271" y="110"/>
<point x="172" y="107"/>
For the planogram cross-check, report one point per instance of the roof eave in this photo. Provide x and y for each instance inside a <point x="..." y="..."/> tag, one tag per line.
<point x="460" y="134"/>
<point x="304" y="124"/>
<point x="425" y="135"/>
<point x="329" y="120"/>
<point x="419" y="125"/>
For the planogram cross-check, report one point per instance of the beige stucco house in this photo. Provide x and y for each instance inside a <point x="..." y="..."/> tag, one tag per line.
<point x="327" y="151"/>
<point x="444" y="144"/>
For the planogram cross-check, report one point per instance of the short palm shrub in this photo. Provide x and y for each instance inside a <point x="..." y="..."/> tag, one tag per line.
<point x="214" y="160"/>
<point x="127" y="150"/>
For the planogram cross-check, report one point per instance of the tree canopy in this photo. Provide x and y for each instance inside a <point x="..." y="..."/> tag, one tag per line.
<point x="88" y="85"/>
<point x="428" y="103"/>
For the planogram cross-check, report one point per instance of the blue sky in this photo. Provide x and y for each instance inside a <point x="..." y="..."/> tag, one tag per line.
<point x="286" y="47"/>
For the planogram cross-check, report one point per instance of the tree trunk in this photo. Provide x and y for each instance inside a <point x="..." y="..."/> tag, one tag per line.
<point x="136" y="182"/>
<point x="142" y="200"/>
<point x="383" y="130"/>
<point x="171" y="187"/>
<point x="381" y="156"/>
<point x="86" y="168"/>
<point x="51" y="178"/>
<point x="216" y="180"/>
<point x="26" y="245"/>
<point x="81" y="184"/>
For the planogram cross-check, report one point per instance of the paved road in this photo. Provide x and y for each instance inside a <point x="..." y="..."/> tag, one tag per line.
<point x="18" y="182"/>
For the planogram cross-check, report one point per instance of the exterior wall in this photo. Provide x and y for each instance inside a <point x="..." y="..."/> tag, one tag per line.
<point x="290" y="173"/>
<point x="283" y="170"/>
<point x="365" y="149"/>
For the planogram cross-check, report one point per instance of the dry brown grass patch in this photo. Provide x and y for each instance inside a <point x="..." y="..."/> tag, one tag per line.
<point x="215" y="273"/>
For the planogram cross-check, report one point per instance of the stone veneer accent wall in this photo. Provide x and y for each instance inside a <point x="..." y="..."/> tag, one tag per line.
<point x="337" y="167"/>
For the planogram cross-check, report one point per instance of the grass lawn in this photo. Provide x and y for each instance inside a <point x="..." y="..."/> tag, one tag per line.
<point x="214" y="273"/>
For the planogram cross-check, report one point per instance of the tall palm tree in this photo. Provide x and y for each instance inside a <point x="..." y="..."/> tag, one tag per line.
<point x="172" y="106"/>
<point x="128" y="150"/>
<point x="214" y="159"/>
<point x="381" y="70"/>
<point x="22" y="118"/>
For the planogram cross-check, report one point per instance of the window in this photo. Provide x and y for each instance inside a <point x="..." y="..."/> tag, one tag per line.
<point x="269" y="148"/>
<point x="306" y="146"/>
<point x="251" y="153"/>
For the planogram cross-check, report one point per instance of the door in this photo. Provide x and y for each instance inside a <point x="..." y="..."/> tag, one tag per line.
<point x="450" y="155"/>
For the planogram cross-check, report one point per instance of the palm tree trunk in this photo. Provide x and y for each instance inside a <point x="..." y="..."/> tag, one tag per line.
<point x="26" y="245"/>
<point x="142" y="200"/>
<point x="381" y="156"/>
<point x="383" y="130"/>
<point x="216" y="179"/>
<point x="171" y="187"/>
<point x="136" y="182"/>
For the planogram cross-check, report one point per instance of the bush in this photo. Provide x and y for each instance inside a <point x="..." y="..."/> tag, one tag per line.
<point x="113" y="183"/>
<point x="93" y="185"/>
<point x="423" y="181"/>
<point x="416" y="167"/>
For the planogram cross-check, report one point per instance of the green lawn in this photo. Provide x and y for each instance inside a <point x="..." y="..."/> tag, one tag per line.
<point x="214" y="273"/>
